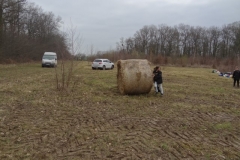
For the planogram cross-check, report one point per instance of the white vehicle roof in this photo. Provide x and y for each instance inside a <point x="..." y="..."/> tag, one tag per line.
<point x="50" y="53"/>
<point x="101" y="59"/>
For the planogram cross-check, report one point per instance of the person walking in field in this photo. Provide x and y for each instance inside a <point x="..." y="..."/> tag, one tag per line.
<point x="236" y="77"/>
<point x="158" y="80"/>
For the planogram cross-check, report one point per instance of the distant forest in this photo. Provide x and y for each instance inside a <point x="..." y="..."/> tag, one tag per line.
<point x="185" y="40"/>
<point x="182" y="45"/>
<point x="26" y="32"/>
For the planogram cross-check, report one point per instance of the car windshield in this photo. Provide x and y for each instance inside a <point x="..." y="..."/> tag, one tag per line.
<point x="50" y="57"/>
<point x="97" y="60"/>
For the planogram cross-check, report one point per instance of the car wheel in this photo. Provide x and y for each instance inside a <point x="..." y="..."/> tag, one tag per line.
<point x="112" y="67"/>
<point x="93" y="68"/>
<point x="42" y="65"/>
<point x="104" y="67"/>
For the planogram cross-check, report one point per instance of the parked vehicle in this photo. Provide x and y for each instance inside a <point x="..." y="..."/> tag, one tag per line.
<point x="102" y="64"/>
<point x="49" y="59"/>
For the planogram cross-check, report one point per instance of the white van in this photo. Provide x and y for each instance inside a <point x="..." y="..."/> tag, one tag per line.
<point x="49" y="59"/>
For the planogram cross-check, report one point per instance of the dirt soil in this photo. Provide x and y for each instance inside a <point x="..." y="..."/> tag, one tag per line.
<point x="198" y="117"/>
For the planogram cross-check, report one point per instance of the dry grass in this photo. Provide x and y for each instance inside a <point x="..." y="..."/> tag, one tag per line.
<point x="197" y="118"/>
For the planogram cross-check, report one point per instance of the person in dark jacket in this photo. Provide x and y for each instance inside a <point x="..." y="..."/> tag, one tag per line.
<point x="236" y="77"/>
<point x="158" y="80"/>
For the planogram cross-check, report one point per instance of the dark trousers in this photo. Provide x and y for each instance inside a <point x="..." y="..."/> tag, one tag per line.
<point x="234" y="82"/>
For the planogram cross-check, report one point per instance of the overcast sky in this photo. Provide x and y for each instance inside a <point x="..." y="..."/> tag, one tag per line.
<point x="102" y="23"/>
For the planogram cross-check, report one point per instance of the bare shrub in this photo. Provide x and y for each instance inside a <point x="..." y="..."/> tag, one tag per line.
<point x="135" y="54"/>
<point x="214" y="66"/>
<point x="170" y="60"/>
<point x="157" y="59"/>
<point x="65" y="75"/>
<point x="184" y="61"/>
<point x="165" y="60"/>
<point x="10" y="61"/>
<point x="223" y="68"/>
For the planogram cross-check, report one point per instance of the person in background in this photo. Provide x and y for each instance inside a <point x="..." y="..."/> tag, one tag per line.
<point x="236" y="77"/>
<point x="158" y="80"/>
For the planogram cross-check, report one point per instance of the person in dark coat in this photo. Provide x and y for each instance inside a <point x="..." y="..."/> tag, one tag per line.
<point x="158" y="80"/>
<point x="236" y="77"/>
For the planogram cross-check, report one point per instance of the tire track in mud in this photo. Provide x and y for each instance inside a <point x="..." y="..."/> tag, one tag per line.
<point x="107" y="136"/>
<point x="139" y="132"/>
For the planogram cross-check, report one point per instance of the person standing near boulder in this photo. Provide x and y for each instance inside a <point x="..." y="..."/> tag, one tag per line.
<point x="236" y="77"/>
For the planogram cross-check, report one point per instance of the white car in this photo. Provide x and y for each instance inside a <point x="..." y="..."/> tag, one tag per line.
<point x="102" y="64"/>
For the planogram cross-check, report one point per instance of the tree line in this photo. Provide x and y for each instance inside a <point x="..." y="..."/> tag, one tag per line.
<point x="26" y="32"/>
<point x="184" y="40"/>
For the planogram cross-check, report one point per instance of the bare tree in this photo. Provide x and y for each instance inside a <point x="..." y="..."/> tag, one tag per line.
<point x="65" y="76"/>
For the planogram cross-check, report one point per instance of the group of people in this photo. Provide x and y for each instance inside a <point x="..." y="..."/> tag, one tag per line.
<point x="157" y="79"/>
<point x="236" y="77"/>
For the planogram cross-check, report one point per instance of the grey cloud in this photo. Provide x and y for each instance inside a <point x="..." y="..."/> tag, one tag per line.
<point x="103" y="23"/>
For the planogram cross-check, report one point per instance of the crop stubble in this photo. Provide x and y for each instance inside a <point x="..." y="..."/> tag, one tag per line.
<point x="197" y="118"/>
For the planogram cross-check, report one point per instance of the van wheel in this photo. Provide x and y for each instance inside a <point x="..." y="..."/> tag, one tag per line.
<point x="112" y="67"/>
<point x="104" y="67"/>
<point x="42" y="65"/>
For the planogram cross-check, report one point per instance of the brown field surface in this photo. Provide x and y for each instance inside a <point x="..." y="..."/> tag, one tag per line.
<point x="197" y="118"/>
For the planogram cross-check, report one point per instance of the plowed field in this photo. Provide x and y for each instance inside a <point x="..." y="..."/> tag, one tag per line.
<point x="198" y="117"/>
